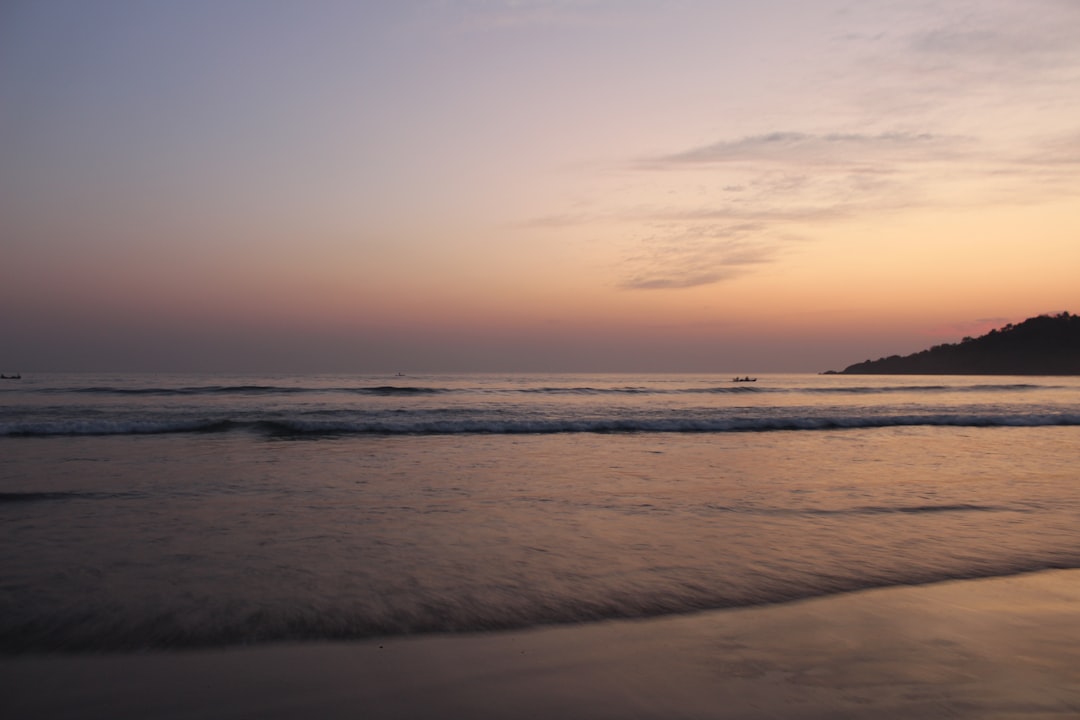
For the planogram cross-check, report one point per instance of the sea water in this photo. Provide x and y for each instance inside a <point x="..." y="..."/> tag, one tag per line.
<point x="172" y="511"/>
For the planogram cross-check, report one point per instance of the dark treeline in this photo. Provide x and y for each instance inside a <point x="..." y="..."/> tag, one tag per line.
<point x="1043" y="345"/>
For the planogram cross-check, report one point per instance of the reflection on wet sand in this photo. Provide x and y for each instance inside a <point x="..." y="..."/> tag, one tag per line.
<point x="1004" y="647"/>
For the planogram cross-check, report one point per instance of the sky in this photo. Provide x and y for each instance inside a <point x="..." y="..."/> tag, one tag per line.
<point x="530" y="185"/>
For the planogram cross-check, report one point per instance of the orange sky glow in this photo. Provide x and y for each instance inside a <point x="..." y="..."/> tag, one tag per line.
<point x="540" y="185"/>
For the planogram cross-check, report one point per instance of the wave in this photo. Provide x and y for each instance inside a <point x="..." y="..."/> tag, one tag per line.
<point x="54" y="495"/>
<point x="413" y="390"/>
<point x="739" y="388"/>
<point x="860" y="389"/>
<point x="240" y="390"/>
<point x="919" y="509"/>
<point x="48" y="428"/>
<point x="488" y="426"/>
<point x="869" y="509"/>
<point x="395" y="390"/>
<point x="166" y="391"/>
<point x="586" y="390"/>
<point x="125" y="627"/>
<point x="889" y="389"/>
<point x="484" y="425"/>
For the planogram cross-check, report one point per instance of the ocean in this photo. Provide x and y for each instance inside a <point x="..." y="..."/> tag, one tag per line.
<point x="164" y="512"/>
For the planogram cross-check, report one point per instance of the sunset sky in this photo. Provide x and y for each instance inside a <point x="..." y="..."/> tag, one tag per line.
<point x="533" y="185"/>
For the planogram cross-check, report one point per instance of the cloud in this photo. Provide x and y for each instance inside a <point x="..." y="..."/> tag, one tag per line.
<point x="798" y="177"/>
<point x="963" y="105"/>
<point x="1053" y="153"/>
<point x="985" y="52"/>
<point x="757" y="192"/>
<point x="558" y="220"/>
<point x="1007" y="36"/>
<point x="675" y="281"/>
<point x="684" y="256"/>
<point x="993" y="45"/>
<point x="798" y="148"/>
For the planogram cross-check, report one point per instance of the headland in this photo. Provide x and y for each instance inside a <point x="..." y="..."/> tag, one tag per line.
<point x="1042" y="345"/>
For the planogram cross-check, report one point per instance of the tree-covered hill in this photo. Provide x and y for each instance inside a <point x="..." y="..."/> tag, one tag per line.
<point x="1043" y="345"/>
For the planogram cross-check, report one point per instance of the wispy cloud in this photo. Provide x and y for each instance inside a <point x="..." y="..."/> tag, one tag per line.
<point x="800" y="177"/>
<point x="683" y="256"/>
<point x="1053" y="153"/>
<point x="926" y="111"/>
<point x="798" y="148"/>
<point x="766" y="186"/>
<point x="560" y="220"/>
<point x="991" y="53"/>
<point x="771" y="185"/>
<point x="1014" y="37"/>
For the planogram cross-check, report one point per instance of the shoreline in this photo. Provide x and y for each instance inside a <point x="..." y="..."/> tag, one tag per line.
<point x="983" y="648"/>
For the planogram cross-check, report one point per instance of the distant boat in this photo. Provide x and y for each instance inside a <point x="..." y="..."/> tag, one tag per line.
<point x="16" y="376"/>
<point x="743" y="379"/>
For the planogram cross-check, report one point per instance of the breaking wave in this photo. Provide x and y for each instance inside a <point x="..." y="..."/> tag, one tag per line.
<point x="387" y="424"/>
<point x="119" y="627"/>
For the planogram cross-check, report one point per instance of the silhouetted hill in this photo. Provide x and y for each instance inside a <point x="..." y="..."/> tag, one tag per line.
<point x="1043" y="345"/>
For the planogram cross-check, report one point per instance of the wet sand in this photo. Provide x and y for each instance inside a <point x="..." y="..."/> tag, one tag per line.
<point x="998" y="648"/>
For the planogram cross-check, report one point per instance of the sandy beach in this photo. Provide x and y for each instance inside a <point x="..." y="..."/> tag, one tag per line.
<point x="997" y="648"/>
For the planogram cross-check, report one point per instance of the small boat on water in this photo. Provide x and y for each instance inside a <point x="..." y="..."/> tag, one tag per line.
<point x="743" y="379"/>
<point x="16" y="376"/>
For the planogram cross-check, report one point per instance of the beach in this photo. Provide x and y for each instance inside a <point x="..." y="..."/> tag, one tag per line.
<point x="516" y="359"/>
<point x="539" y="546"/>
<point x="995" y="648"/>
